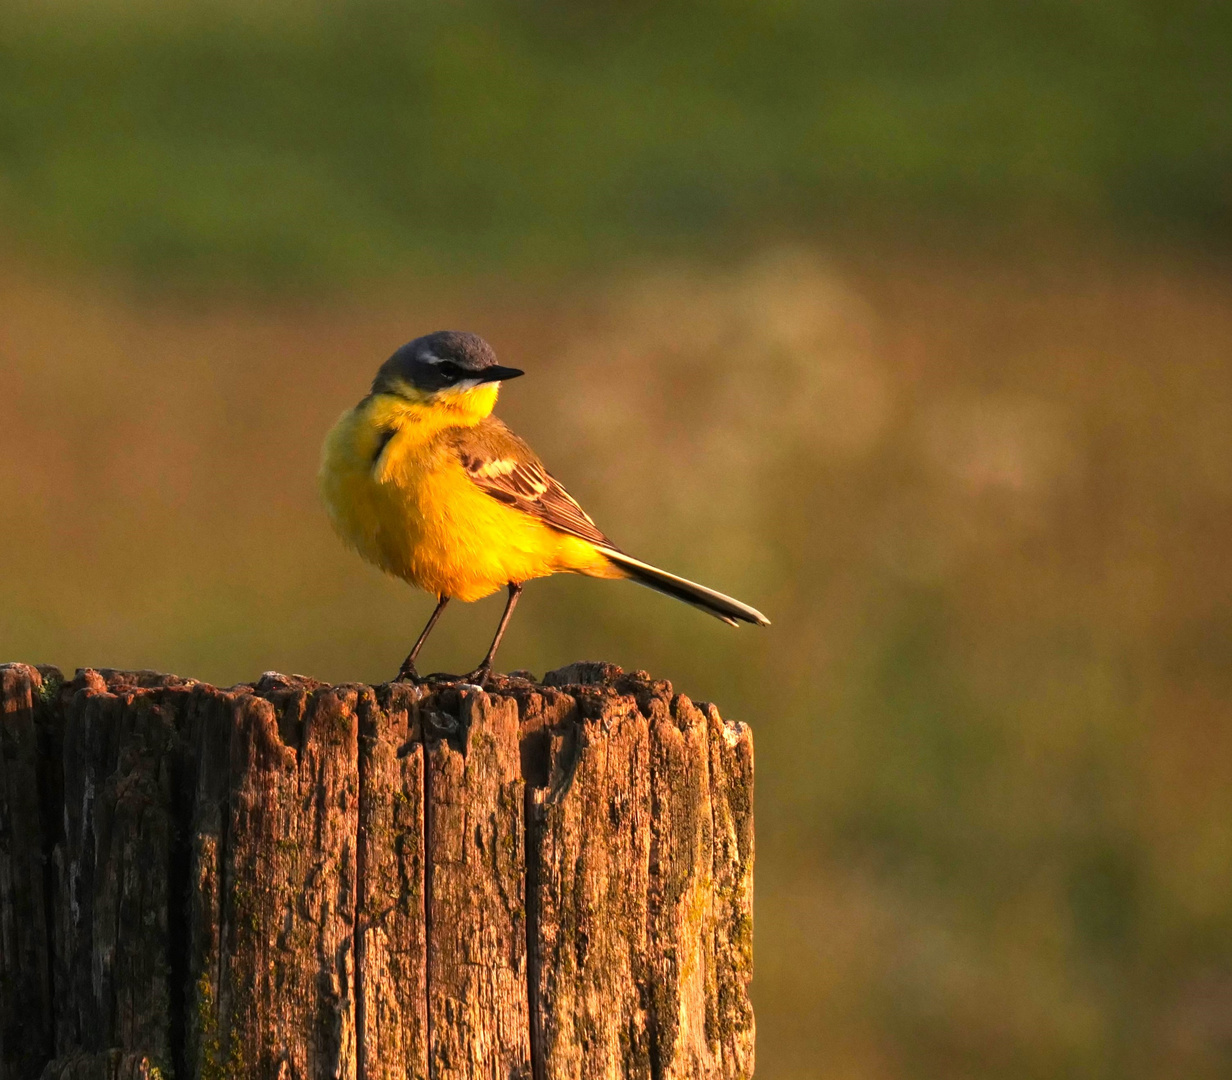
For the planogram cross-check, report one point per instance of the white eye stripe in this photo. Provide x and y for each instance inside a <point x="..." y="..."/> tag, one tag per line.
<point x="431" y="358"/>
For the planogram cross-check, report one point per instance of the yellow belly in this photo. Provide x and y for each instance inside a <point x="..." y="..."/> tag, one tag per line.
<point x="417" y="515"/>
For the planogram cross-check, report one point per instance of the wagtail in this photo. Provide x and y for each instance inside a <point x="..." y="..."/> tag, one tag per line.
<point x="422" y="480"/>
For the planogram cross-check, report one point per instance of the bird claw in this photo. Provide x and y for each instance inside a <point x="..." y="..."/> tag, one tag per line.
<point x="444" y="677"/>
<point x="476" y="679"/>
<point x="407" y="673"/>
<point x="479" y="677"/>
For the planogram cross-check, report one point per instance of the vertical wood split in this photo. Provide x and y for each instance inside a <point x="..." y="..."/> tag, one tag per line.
<point x="287" y="880"/>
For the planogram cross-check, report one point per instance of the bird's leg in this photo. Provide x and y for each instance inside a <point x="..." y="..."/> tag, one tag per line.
<point x="407" y="670"/>
<point x="480" y="675"/>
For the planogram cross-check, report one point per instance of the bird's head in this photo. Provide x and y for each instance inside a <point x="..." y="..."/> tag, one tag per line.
<point x="449" y="369"/>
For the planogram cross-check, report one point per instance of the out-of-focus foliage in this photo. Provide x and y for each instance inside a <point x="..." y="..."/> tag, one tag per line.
<point x="987" y="506"/>
<point x="290" y="142"/>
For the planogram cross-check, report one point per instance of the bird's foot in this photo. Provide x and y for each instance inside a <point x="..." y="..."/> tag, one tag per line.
<point x="440" y="677"/>
<point x="407" y="673"/>
<point x="479" y="677"/>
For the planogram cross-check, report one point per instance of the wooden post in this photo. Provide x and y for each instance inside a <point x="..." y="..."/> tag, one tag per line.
<point x="293" y="881"/>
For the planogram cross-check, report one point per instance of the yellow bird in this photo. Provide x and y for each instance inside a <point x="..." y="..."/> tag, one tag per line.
<point x="424" y="482"/>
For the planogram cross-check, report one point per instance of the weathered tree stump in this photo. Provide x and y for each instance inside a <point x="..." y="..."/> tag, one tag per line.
<point x="289" y="880"/>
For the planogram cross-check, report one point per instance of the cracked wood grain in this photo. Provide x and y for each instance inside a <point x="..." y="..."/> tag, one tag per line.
<point x="392" y="933"/>
<point x="589" y="828"/>
<point x="290" y="881"/>
<point x="478" y="1006"/>
<point x="26" y="1019"/>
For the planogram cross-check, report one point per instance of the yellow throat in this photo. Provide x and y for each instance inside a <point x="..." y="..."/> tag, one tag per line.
<point x="450" y="408"/>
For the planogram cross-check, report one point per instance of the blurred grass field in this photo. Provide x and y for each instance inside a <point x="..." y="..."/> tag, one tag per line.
<point x="295" y="145"/>
<point x="987" y="507"/>
<point x="910" y="325"/>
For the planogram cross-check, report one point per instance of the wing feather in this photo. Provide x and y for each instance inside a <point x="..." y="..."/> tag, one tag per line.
<point x="504" y="467"/>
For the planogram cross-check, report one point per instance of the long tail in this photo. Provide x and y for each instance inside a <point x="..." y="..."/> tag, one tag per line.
<point x="718" y="605"/>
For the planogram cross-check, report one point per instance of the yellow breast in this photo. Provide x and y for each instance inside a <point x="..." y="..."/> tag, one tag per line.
<point x="396" y="492"/>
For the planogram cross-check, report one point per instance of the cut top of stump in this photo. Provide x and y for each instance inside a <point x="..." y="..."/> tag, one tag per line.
<point x="288" y="879"/>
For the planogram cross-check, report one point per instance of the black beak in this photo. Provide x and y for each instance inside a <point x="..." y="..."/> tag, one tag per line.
<point x="496" y="373"/>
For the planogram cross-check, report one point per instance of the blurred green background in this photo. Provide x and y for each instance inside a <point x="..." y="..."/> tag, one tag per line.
<point x="909" y="323"/>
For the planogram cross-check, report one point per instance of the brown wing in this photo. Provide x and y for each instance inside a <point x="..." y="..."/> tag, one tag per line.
<point x="503" y="466"/>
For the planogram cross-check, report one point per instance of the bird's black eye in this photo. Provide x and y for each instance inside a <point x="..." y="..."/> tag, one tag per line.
<point x="450" y="370"/>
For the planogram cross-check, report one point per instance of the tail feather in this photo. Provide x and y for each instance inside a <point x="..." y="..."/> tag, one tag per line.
<point x="716" y="603"/>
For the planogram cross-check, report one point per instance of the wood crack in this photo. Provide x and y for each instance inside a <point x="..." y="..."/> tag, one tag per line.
<point x="546" y="880"/>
